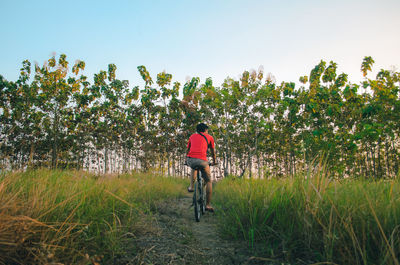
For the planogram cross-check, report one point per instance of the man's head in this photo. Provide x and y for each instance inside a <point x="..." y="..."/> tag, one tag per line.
<point x="201" y="127"/>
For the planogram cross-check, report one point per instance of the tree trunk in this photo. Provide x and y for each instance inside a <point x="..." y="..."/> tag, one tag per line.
<point x="396" y="160"/>
<point x="387" y="158"/>
<point x="230" y="166"/>
<point x="379" y="170"/>
<point x="112" y="161"/>
<point x="250" y="164"/>
<point x="225" y="163"/>
<point x="368" y="163"/>
<point x="294" y="164"/>
<point x="126" y="159"/>
<point x="98" y="162"/>
<point x="168" y="164"/>
<point x="373" y="159"/>
<point x="55" y="140"/>
<point x="105" y="160"/>
<point x="32" y="151"/>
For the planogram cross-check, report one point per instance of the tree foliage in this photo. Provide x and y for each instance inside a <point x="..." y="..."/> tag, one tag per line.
<point x="57" y="118"/>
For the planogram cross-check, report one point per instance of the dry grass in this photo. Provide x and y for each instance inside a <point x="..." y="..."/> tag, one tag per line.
<point x="314" y="218"/>
<point x="73" y="217"/>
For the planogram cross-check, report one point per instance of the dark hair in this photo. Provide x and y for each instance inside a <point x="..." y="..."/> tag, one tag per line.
<point x="201" y="127"/>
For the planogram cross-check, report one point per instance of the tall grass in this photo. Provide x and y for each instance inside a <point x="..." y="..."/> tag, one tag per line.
<point x="74" y="217"/>
<point x="314" y="219"/>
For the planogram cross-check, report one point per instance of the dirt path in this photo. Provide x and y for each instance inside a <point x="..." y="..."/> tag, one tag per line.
<point x="175" y="238"/>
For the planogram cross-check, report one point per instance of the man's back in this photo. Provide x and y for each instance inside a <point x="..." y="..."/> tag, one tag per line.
<point x="198" y="145"/>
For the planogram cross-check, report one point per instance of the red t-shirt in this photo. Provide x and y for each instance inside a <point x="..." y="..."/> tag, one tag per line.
<point x="198" y="145"/>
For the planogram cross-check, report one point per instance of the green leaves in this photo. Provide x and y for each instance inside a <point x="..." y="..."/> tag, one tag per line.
<point x="316" y="74"/>
<point x="341" y="80"/>
<point x="330" y="73"/>
<point x="111" y="72"/>
<point x="60" y="117"/>
<point x="303" y="79"/>
<point x="145" y="75"/>
<point x="366" y="65"/>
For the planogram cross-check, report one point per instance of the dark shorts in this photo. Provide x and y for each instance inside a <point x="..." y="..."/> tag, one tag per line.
<point x="199" y="163"/>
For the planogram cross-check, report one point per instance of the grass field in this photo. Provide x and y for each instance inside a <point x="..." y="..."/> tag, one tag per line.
<point x="313" y="219"/>
<point x="74" y="217"/>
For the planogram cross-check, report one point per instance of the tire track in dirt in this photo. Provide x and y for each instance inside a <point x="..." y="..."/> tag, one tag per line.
<point x="175" y="237"/>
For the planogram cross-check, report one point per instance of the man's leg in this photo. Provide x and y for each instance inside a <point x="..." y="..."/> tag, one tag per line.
<point x="209" y="193"/>
<point x="208" y="186"/>
<point x="193" y="177"/>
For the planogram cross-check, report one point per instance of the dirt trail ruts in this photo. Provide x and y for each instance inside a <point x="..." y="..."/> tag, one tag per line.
<point x="176" y="238"/>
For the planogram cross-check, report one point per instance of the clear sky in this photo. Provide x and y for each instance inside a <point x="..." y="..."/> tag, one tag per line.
<point x="204" y="38"/>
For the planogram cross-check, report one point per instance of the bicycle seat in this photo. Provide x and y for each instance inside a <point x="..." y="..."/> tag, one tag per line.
<point x="199" y="167"/>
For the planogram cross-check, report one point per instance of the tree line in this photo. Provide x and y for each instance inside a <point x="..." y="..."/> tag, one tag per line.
<point x="53" y="116"/>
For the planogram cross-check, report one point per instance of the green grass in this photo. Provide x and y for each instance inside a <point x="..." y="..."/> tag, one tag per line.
<point x="74" y="217"/>
<point x="314" y="219"/>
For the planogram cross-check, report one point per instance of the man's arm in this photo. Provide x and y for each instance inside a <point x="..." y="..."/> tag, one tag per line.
<point x="213" y="155"/>
<point x="187" y="152"/>
<point x="188" y="148"/>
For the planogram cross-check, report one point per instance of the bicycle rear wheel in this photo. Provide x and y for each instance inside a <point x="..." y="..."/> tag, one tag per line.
<point x="197" y="201"/>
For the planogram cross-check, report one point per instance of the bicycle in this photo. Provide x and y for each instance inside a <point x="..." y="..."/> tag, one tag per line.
<point x="199" y="195"/>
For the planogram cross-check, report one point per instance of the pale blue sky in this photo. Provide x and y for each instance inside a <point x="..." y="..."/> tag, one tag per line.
<point x="204" y="38"/>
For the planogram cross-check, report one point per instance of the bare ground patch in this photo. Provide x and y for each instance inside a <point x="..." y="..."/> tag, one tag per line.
<point x="174" y="237"/>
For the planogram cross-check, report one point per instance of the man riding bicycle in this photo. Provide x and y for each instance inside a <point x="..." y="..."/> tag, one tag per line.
<point x="197" y="157"/>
